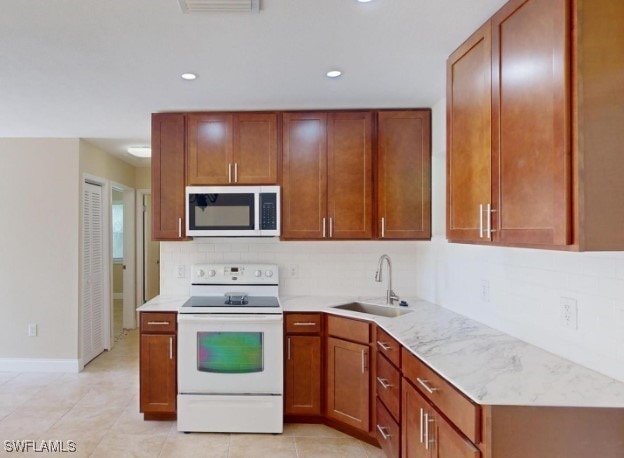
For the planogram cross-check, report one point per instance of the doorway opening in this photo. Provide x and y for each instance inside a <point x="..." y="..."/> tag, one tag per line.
<point x="148" y="250"/>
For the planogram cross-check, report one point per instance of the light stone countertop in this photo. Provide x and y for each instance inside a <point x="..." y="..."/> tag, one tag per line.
<point x="487" y="365"/>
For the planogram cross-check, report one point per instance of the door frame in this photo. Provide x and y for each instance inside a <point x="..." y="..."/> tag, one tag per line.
<point x="140" y="244"/>
<point x="107" y="260"/>
<point x="129" y="260"/>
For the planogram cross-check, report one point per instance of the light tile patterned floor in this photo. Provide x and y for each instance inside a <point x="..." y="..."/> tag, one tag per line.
<point x="98" y="410"/>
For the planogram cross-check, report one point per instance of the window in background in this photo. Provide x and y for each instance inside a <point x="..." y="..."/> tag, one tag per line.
<point x="117" y="231"/>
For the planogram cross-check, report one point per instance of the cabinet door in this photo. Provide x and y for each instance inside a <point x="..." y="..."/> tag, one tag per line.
<point x="350" y="178"/>
<point x="209" y="155"/>
<point x="303" y="375"/>
<point x="168" y="176"/>
<point x="304" y="176"/>
<point x="348" y="385"/>
<point x="448" y="443"/>
<point x="158" y="373"/>
<point x="414" y="407"/>
<point x="531" y="126"/>
<point x="255" y="148"/>
<point x="469" y="150"/>
<point x="404" y="175"/>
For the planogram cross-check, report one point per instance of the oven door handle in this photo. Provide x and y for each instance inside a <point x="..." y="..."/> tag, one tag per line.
<point x="207" y="317"/>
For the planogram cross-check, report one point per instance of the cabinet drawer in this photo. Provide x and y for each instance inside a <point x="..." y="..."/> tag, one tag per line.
<point x="346" y="328"/>
<point x="388" y="385"/>
<point x="159" y="322"/>
<point x="387" y="432"/>
<point x="388" y="347"/>
<point x="303" y="323"/>
<point x="457" y="408"/>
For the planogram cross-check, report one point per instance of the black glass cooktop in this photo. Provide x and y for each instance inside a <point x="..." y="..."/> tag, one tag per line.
<point x="223" y="301"/>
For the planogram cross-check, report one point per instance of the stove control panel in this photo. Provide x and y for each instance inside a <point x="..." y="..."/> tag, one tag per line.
<point x="214" y="274"/>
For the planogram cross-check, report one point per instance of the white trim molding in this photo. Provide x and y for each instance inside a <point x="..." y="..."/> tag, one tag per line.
<point x="39" y="365"/>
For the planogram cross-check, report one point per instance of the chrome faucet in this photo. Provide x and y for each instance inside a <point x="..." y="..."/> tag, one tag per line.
<point x="390" y="295"/>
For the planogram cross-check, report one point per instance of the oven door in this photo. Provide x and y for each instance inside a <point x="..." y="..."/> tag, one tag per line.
<point x="230" y="354"/>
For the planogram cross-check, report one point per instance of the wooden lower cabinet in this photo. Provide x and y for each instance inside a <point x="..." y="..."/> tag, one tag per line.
<point x="303" y="375"/>
<point x="425" y="433"/>
<point x="348" y="383"/>
<point x="158" y="366"/>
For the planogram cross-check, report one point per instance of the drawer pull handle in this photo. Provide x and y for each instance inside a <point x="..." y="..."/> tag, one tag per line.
<point x="425" y="386"/>
<point x="304" y="324"/>
<point x="158" y="323"/>
<point x="384" y="346"/>
<point x="289" y="349"/>
<point x="384" y="383"/>
<point x="426" y="431"/>
<point x="421" y="424"/>
<point x="382" y="431"/>
<point x="170" y="347"/>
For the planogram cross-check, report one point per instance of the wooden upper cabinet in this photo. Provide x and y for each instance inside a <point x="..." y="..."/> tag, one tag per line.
<point x="350" y="175"/>
<point x="232" y="148"/>
<point x="469" y="124"/>
<point x="209" y="149"/>
<point x="531" y="122"/>
<point x="168" y="176"/>
<point x="304" y="176"/>
<point x="254" y="154"/>
<point x="404" y="174"/>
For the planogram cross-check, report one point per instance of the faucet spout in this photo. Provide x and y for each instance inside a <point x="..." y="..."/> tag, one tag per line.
<point x="391" y="296"/>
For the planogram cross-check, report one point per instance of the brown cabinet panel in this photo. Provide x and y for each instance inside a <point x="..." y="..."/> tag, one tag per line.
<point x="168" y="176"/>
<point x="412" y="428"/>
<point x="449" y="443"/>
<point x="404" y="174"/>
<point x="350" y="175"/>
<point x="465" y="414"/>
<point x="158" y="373"/>
<point x="387" y="346"/>
<point x="531" y="122"/>
<point x="304" y="176"/>
<point x="303" y="323"/>
<point x="255" y="148"/>
<point x="387" y="432"/>
<point x="469" y="149"/>
<point x="303" y="375"/>
<point x="348" y="385"/>
<point x="388" y="385"/>
<point x="347" y="328"/>
<point x="209" y="149"/>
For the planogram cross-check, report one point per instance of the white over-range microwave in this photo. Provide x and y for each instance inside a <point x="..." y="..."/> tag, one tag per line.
<point x="233" y="211"/>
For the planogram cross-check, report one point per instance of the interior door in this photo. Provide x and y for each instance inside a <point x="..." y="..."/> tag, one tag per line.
<point x="93" y="283"/>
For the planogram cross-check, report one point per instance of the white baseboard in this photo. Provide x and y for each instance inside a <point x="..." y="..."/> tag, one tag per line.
<point x="117" y="296"/>
<point x="39" y="365"/>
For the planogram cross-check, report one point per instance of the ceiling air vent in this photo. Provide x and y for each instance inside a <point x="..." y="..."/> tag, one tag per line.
<point x="219" y="6"/>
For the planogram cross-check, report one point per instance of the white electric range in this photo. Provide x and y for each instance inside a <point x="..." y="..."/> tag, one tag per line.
<point x="230" y="350"/>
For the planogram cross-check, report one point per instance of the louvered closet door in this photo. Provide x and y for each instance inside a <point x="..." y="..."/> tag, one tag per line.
<point x="93" y="274"/>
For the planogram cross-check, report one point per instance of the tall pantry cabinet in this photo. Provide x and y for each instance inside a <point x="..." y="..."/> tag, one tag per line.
<point x="538" y="168"/>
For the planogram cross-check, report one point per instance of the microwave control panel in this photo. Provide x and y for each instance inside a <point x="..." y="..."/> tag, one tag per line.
<point x="268" y="211"/>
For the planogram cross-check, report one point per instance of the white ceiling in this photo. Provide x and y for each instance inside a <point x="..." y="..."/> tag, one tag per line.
<point x="96" y="69"/>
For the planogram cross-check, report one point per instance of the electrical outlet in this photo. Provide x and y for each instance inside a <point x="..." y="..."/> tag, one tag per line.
<point x="180" y="271"/>
<point x="293" y="270"/>
<point x="569" y="313"/>
<point x="485" y="290"/>
<point x="32" y="329"/>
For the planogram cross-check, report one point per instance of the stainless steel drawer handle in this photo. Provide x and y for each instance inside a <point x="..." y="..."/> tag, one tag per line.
<point x="304" y="324"/>
<point x="363" y="362"/>
<point x="384" y="383"/>
<point x="170" y="347"/>
<point x="480" y="221"/>
<point x="230" y="172"/>
<point x="425" y="386"/>
<point x="422" y="412"/>
<point x="383" y="228"/>
<point x="236" y="172"/>
<point x="426" y="431"/>
<point x="158" y="323"/>
<point x="289" y="349"/>
<point x="384" y="346"/>
<point x="382" y="431"/>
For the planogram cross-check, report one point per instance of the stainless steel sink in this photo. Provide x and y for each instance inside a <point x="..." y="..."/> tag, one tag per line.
<point x="372" y="309"/>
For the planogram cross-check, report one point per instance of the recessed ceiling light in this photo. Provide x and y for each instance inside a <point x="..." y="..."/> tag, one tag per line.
<point x="334" y="73"/>
<point x="140" y="151"/>
<point x="188" y="76"/>
<point x="364" y="1"/>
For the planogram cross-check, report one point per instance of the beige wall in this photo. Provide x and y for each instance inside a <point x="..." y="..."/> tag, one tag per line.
<point x="39" y="233"/>
<point x="143" y="178"/>
<point x="96" y="162"/>
<point x="117" y="278"/>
